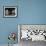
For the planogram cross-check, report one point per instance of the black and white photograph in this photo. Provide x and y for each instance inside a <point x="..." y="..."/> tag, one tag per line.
<point x="10" y="11"/>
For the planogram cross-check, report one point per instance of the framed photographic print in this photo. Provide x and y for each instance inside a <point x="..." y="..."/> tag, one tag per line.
<point x="10" y="11"/>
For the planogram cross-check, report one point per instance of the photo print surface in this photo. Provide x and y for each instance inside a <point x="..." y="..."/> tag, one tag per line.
<point x="10" y="11"/>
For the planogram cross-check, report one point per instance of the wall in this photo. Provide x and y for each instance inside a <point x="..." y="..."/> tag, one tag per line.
<point x="32" y="11"/>
<point x="7" y="25"/>
<point x="29" y="12"/>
